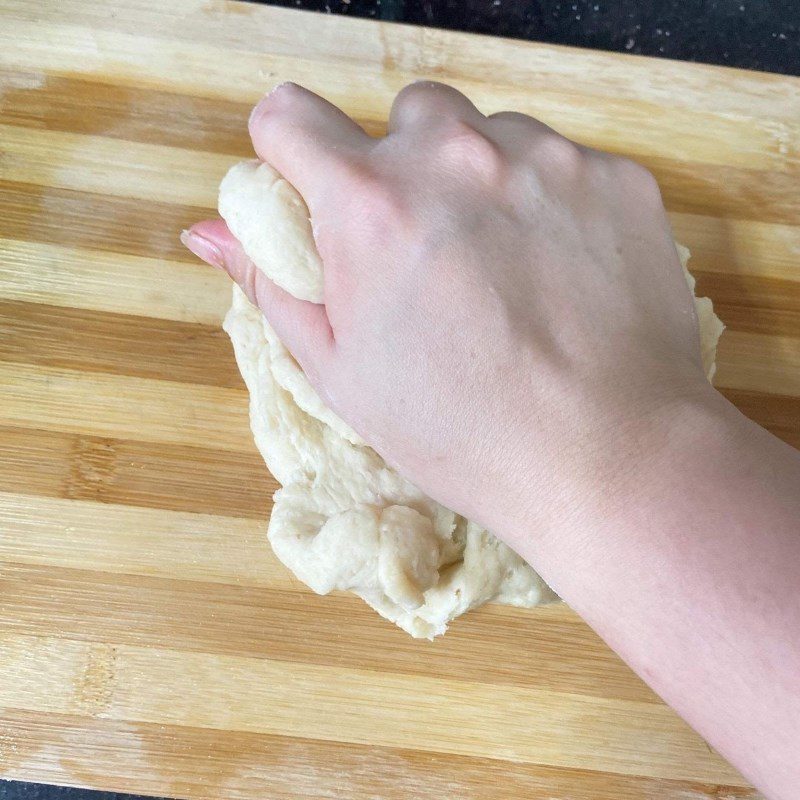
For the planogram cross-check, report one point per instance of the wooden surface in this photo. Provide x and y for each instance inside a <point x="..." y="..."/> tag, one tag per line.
<point x="149" y="640"/>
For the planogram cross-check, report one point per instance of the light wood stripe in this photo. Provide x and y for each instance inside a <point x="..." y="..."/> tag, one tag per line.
<point x="132" y="540"/>
<point x="122" y="407"/>
<point x="82" y="278"/>
<point x="726" y="192"/>
<point x="185" y="762"/>
<point x="179" y="67"/>
<point x="57" y="103"/>
<point x="171" y="290"/>
<point x="94" y="341"/>
<point x="98" y="164"/>
<point x="162" y="686"/>
<point x="177" y="175"/>
<point x="171" y="477"/>
<point x="619" y="125"/>
<point x="292" y="624"/>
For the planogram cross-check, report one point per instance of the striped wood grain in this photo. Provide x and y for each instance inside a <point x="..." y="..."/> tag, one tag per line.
<point x="149" y="640"/>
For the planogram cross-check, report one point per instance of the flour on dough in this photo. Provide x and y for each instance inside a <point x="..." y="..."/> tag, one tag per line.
<point x="343" y="519"/>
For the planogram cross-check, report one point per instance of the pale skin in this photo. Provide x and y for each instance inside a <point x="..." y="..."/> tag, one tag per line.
<point x="506" y="322"/>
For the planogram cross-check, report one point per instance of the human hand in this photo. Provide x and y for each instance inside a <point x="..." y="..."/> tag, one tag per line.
<point x="504" y="311"/>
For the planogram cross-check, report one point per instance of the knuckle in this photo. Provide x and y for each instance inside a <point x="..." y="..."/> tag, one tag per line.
<point x="465" y="147"/>
<point x="413" y="92"/>
<point x="367" y="193"/>
<point x="640" y="178"/>
<point x="361" y="180"/>
<point x="560" y="153"/>
<point x="424" y="96"/>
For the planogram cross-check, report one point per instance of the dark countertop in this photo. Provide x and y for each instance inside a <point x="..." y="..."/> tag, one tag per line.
<point x="752" y="34"/>
<point x="13" y="790"/>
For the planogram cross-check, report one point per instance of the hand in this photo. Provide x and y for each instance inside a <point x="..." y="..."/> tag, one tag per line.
<point x="492" y="290"/>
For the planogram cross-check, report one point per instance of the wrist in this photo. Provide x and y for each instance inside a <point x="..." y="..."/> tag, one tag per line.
<point x="573" y="490"/>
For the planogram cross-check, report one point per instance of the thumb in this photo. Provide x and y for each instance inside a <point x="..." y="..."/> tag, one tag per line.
<point x="302" y="326"/>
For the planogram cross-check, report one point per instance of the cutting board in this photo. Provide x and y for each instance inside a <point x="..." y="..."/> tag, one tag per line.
<point x="149" y="640"/>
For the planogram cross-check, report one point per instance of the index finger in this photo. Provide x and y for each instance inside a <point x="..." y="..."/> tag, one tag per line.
<point x="308" y="140"/>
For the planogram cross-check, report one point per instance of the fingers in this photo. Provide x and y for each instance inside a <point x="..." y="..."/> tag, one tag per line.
<point x="302" y="326"/>
<point x="307" y="139"/>
<point x="426" y="104"/>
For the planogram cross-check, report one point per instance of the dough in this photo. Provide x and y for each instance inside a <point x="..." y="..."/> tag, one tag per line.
<point x="343" y="519"/>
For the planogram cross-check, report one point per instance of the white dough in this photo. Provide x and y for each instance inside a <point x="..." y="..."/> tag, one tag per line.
<point x="279" y="240"/>
<point x="344" y="519"/>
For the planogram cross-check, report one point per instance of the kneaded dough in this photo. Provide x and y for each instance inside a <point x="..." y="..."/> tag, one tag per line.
<point x="343" y="519"/>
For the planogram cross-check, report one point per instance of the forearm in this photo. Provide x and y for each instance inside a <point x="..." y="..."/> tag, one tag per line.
<point x="691" y="572"/>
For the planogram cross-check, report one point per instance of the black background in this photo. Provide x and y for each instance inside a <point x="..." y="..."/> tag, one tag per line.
<point x="752" y="34"/>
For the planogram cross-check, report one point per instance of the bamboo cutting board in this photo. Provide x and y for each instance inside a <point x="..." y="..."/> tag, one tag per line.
<point x="149" y="640"/>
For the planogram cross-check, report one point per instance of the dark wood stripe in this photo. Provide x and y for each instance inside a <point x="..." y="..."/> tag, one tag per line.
<point x="98" y="341"/>
<point x="34" y="462"/>
<point x="202" y="764"/>
<point x="154" y="116"/>
<point x="97" y="222"/>
<point x="124" y="112"/>
<point x="754" y="304"/>
<point x="540" y="649"/>
<point x="779" y="414"/>
<point x="144" y="474"/>
<point x="756" y="319"/>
